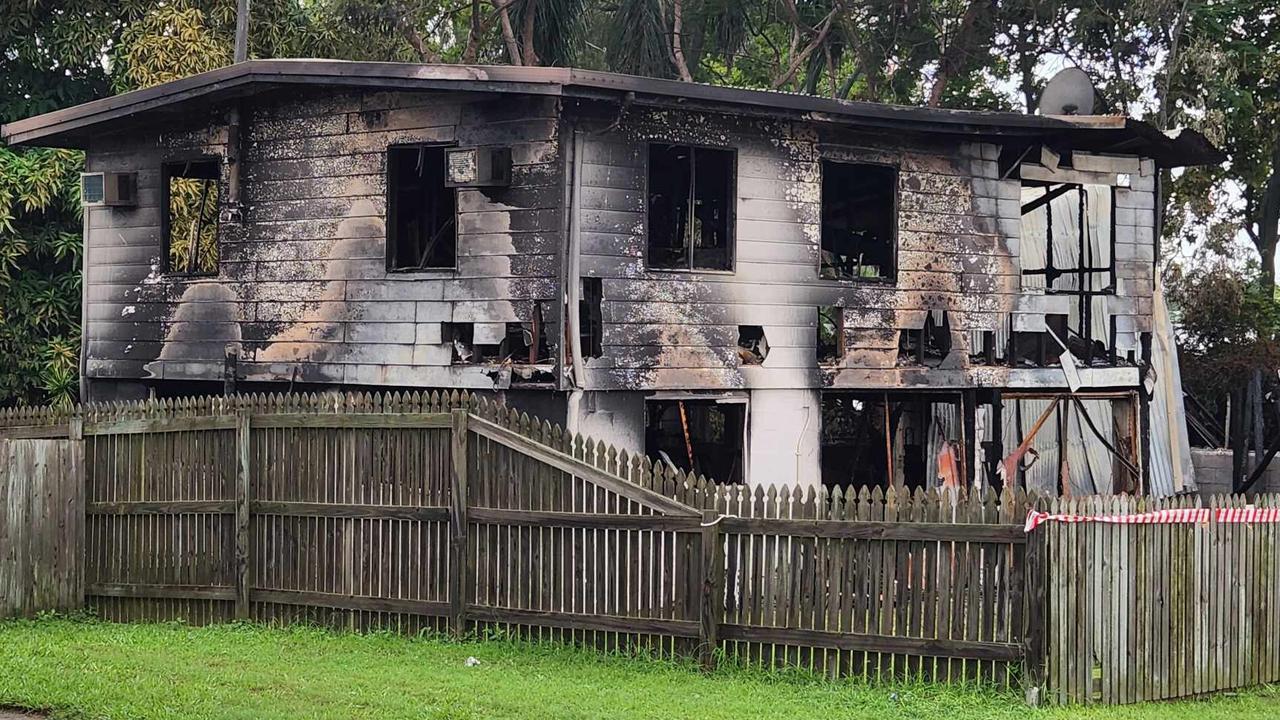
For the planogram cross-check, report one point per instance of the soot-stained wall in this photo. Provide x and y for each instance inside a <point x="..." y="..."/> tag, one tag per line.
<point x="302" y="290"/>
<point x="958" y="226"/>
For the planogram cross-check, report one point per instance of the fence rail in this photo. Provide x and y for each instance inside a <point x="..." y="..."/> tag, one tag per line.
<point x="448" y="512"/>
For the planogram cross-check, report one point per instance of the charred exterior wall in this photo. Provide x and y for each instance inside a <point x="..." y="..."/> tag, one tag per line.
<point x="958" y="226"/>
<point x="302" y="290"/>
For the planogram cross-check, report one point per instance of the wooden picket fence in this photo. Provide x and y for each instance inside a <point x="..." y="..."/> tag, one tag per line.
<point x="447" y="512"/>
<point x="41" y="525"/>
<point x="1151" y="612"/>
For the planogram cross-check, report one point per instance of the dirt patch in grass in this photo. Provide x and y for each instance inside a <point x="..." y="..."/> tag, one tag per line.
<point x="9" y="713"/>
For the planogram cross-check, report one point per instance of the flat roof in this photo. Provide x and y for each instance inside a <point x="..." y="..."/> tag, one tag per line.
<point x="75" y="126"/>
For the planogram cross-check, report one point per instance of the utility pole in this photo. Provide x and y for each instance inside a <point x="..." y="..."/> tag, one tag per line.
<point x="242" y="31"/>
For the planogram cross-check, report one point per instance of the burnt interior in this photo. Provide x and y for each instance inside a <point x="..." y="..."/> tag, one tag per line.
<point x="877" y="439"/>
<point x="753" y="348"/>
<point x="421" y="225"/>
<point x="830" y="334"/>
<point x="690" y="208"/>
<point x="929" y="345"/>
<point x="858" y="221"/>
<point x="591" y="317"/>
<point x="706" y="436"/>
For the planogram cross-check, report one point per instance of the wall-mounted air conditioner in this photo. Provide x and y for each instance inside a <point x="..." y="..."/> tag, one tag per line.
<point x="109" y="189"/>
<point x="478" y="167"/>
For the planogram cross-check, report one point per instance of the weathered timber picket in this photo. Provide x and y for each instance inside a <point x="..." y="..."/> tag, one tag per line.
<point x="451" y="513"/>
<point x="41" y="526"/>
<point x="448" y="512"/>
<point x="1149" y="612"/>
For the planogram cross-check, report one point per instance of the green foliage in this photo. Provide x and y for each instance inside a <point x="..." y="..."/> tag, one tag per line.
<point x="193" y="223"/>
<point x="39" y="278"/>
<point x="167" y="42"/>
<point x="1228" y="323"/>
<point x="637" y="40"/>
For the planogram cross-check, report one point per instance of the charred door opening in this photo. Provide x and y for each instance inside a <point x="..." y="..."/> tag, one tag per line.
<point x="707" y="436"/>
<point x="190" y="221"/>
<point x="859" y="221"/>
<point x="690" y="208"/>
<point x="421" y="210"/>
<point x="872" y="439"/>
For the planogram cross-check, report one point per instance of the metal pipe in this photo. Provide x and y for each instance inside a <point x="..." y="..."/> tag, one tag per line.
<point x="242" y="31"/>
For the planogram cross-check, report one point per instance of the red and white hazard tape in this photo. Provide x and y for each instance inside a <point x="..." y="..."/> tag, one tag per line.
<point x="1188" y="516"/>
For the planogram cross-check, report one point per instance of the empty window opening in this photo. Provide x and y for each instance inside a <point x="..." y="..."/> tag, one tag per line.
<point x="859" y="221"/>
<point x="191" y="217"/>
<point x="830" y="334"/>
<point x="1040" y="349"/>
<point x="928" y="346"/>
<point x="526" y="343"/>
<point x="421" y="224"/>
<point x="705" y="436"/>
<point x="460" y="336"/>
<point x="873" y="440"/>
<point x="753" y="348"/>
<point x="690" y="208"/>
<point x="591" y="317"/>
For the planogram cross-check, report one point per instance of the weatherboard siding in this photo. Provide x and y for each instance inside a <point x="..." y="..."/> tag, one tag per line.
<point x="302" y="289"/>
<point x="958" y="234"/>
<point x="303" y="292"/>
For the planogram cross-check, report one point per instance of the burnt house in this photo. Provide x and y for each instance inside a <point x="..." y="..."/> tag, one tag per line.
<point x="766" y="287"/>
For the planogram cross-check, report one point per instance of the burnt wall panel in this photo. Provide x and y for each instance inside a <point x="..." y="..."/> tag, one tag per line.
<point x="302" y="291"/>
<point x="958" y="227"/>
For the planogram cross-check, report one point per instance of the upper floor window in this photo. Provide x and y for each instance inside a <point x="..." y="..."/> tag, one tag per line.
<point x="690" y="208"/>
<point x="190" y="220"/>
<point x="422" y="231"/>
<point x="859" y="221"/>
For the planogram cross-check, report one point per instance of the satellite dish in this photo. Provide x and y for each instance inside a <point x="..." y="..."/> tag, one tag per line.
<point x="1070" y="92"/>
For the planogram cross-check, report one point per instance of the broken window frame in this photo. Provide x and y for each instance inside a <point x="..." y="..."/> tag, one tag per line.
<point x="393" y="209"/>
<point x="728" y="398"/>
<point x="167" y="174"/>
<point x="1085" y="271"/>
<point x="926" y="346"/>
<point x="895" y="172"/>
<point x="731" y="239"/>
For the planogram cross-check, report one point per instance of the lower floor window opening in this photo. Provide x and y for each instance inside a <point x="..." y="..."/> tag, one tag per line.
<point x="703" y="435"/>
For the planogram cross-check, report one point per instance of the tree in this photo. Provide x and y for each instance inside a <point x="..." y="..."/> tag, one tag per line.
<point x="1229" y="87"/>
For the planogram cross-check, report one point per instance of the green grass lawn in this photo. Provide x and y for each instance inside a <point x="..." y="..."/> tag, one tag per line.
<point x="87" y="669"/>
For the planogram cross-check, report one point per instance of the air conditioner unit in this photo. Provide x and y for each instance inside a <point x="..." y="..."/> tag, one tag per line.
<point x="478" y="167"/>
<point x="109" y="189"/>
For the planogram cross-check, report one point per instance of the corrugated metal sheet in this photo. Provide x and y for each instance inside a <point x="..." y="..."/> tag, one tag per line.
<point x="1170" y="451"/>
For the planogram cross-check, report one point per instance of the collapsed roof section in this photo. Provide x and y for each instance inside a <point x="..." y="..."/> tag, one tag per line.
<point x="75" y="126"/>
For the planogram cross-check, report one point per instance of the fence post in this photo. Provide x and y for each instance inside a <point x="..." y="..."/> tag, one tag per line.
<point x="242" y="516"/>
<point x="1033" y="624"/>
<point x="458" y="527"/>
<point x="710" y="603"/>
